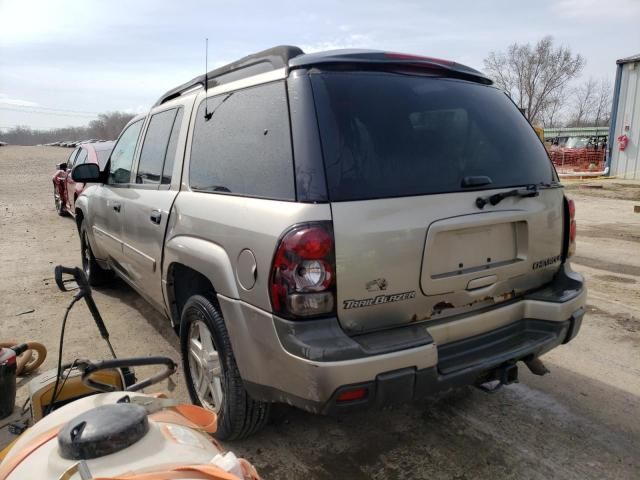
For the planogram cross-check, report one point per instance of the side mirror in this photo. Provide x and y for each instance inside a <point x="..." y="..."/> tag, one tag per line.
<point x="86" y="173"/>
<point x="61" y="166"/>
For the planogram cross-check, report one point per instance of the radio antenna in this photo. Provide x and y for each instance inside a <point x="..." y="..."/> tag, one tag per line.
<point x="207" y="115"/>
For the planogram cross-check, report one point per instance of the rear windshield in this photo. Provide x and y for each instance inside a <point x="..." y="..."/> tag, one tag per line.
<point x="391" y="134"/>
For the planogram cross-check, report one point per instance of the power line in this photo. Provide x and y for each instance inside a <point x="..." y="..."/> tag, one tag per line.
<point x="38" y="108"/>
<point x="59" y="114"/>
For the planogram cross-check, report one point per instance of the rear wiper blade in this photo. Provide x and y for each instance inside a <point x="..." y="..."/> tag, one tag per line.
<point x="529" y="191"/>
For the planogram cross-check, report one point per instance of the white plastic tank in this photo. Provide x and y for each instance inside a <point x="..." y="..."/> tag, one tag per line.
<point x="163" y="445"/>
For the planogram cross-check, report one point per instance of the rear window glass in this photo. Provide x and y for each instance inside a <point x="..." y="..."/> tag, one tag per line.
<point x="154" y="147"/>
<point x="388" y="135"/>
<point x="245" y="147"/>
<point x="82" y="157"/>
<point x="172" y="152"/>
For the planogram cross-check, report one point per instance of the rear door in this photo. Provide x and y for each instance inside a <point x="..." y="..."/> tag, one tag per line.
<point x="149" y="200"/>
<point x="407" y="157"/>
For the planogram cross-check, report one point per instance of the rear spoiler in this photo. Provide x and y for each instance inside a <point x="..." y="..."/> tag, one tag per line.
<point x="375" y="58"/>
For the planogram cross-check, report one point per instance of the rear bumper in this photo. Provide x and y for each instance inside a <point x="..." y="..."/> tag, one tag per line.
<point x="308" y="364"/>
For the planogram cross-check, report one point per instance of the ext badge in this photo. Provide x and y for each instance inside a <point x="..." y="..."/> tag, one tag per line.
<point x="546" y="262"/>
<point x="379" y="300"/>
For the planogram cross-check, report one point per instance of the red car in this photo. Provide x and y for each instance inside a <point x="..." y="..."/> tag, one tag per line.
<point x="65" y="190"/>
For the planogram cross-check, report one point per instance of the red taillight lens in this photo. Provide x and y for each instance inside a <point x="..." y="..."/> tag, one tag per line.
<point x="352" y="395"/>
<point x="572" y="227"/>
<point x="309" y="243"/>
<point x="572" y="231"/>
<point x="302" y="282"/>
<point x="572" y="209"/>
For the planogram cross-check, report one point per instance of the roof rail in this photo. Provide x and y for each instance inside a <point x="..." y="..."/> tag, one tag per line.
<point x="261" y="62"/>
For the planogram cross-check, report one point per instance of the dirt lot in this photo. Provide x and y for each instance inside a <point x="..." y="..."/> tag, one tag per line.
<point x="582" y="421"/>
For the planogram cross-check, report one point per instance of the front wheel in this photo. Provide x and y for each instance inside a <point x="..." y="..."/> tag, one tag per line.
<point x="213" y="379"/>
<point x="94" y="272"/>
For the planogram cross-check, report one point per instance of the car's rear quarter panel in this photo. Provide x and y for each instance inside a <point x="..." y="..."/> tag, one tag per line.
<point x="236" y="223"/>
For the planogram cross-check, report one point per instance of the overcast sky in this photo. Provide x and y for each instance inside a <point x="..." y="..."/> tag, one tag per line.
<point x="64" y="61"/>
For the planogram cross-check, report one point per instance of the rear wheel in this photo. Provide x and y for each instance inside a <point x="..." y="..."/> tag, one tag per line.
<point x="59" y="203"/>
<point x="94" y="272"/>
<point x="213" y="379"/>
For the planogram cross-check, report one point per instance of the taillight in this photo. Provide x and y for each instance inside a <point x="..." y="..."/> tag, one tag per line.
<point x="302" y="282"/>
<point x="352" y="395"/>
<point x="572" y="227"/>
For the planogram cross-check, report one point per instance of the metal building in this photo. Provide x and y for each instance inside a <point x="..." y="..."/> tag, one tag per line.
<point x="624" y="132"/>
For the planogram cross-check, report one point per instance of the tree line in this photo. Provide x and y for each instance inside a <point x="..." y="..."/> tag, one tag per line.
<point x="107" y="126"/>
<point x="542" y="80"/>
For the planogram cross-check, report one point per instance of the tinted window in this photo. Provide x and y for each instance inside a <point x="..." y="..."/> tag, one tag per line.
<point x="154" y="147"/>
<point x="172" y="151"/>
<point x="81" y="158"/>
<point x="386" y="135"/>
<point x="245" y="148"/>
<point x="122" y="155"/>
<point x="103" y="156"/>
<point x="72" y="158"/>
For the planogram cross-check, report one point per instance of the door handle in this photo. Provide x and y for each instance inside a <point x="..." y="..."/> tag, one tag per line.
<point x="156" y="216"/>
<point x="117" y="207"/>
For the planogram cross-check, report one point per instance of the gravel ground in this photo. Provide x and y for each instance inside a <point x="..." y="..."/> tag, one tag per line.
<point x="580" y="422"/>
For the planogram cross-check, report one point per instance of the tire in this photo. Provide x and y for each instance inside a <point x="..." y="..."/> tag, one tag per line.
<point x="95" y="273"/>
<point x="62" y="211"/>
<point x="219" y="386"/>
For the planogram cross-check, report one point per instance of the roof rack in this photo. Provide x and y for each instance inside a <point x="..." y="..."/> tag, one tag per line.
<point x="261" y="62"/>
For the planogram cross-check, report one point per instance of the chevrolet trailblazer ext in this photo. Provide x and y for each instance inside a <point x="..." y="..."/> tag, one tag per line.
<point x="337" y="230"/>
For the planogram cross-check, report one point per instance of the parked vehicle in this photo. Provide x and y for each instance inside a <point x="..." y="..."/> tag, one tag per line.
<point x="3" y="144"/>
<point x="579" y="153"/>
<point x="65" y="189"/>
<point x="337" y="230"/>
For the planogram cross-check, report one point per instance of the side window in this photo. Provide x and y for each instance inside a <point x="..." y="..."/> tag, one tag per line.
<point x="122" y="155"/>
<point x="172" y="152"/>
<point x="72" y="158"/>
<point x="103" y="157"/>
<point x="81" y="158"/>
<point x="245" y="147"/>
<point x="154" y="148"/>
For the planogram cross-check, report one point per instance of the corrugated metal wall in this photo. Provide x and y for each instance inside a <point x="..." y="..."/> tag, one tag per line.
<point x="626" y="164"/>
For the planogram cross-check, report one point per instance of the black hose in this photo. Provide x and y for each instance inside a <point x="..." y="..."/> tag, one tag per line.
<point x="59" y="372"/>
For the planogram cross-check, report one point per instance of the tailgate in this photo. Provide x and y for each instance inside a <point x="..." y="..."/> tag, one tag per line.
<point x="412" y="259"/>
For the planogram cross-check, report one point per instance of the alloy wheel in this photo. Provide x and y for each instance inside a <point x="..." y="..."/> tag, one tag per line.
<point x="86" y="255"/>
<point x="205" y="367"/>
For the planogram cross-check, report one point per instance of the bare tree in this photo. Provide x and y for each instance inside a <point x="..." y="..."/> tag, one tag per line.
<point x="552" y="115"/>
<point x="591" y="104"/>
<point x="604" y="102"/>
<point x="584" y="103"/>
<point x="534" y="75"/>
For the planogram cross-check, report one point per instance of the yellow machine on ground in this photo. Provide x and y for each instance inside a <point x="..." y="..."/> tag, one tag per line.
<point x="89" y="421"/>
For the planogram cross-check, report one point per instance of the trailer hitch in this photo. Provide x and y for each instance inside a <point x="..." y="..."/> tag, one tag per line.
<point x="503" y="375"/>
